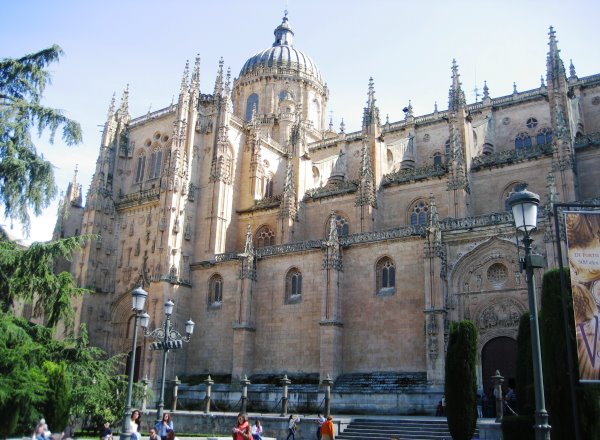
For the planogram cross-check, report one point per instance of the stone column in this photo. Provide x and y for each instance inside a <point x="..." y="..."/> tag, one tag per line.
<point x="284" y="401"/>
<point x="327" y="383"/>
<point x="497" y="380"/>
<point x="208" y="383"/>
<point x="244" y="382"/>
<point x="176" y="384"/>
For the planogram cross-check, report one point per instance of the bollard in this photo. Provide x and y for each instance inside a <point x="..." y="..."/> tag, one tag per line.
<point x="176" y="384"/>
<point x="327" y="382"/>
<point x="498" y="379"/>
<point x="208" y="383"/>
<point x="146" y="382"/>
<point x="284" y="401"/>
<point x="244" y="382"/>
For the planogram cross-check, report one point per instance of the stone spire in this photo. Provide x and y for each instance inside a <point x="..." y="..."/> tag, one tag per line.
<point x="184" y="78"/>
<point x="371" y="111"/>
<point x="123" y="112"/>
<point x="288" y="207"/>
<point x="111" y="108"/>
<point x="555" y="68"/>
<point x="74" y="191"/>
<point x="572" y="73"/>
<point x="456" y="96"/>
<point x="366" y="186"/>
<point x="219" y="80"/>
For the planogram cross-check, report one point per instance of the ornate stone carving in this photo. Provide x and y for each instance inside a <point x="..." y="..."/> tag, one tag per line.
<point x="505" y="313"/>
<point x="412" y="175"/>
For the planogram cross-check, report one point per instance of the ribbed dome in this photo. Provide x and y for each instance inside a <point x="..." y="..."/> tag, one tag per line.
<point x="283" y="55"/>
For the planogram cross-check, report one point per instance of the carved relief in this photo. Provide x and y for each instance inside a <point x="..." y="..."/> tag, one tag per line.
<point x="505" y="313"/>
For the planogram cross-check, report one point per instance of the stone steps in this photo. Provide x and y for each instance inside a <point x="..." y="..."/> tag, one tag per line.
<point x="405" y="429"/>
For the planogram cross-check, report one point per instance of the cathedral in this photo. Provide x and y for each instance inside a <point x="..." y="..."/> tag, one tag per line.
<point x="304" y="250"/>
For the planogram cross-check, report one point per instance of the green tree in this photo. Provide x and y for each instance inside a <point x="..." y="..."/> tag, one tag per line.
<point x="31" y="364"/>
<point x="58" y="399"/>
<point x="461" y="382"/>
<point x="27" y="274"/>
<point x="26" y="178"/>
<point x="554" y="357"/>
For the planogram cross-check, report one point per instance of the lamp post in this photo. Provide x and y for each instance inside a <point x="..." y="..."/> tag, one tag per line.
<point x="167" y="338"/>
<point x="524" y="206"/>
<point x="138" y="296"/>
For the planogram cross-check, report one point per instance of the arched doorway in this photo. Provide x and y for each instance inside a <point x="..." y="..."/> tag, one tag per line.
<point x="499" y="354"/>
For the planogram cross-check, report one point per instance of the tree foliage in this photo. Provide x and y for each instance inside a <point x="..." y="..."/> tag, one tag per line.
<point x="37" y="370"/>
<point x="27" y="274"/>
<point x="26" y="178"/>
<point x="461" y="381"/>
<point x="555" y="361"/>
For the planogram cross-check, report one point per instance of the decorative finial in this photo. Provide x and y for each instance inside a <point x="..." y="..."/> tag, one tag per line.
<point x="435" y="108"/>
<point x="342" y="126"/>
<point x="572" y="73"/>
<point x="330" y="123"/>
<point x="542" y="84"/>
<point x="387" y="119"/>
<point x="515" y="88"/>
<point x="486" y="90"/>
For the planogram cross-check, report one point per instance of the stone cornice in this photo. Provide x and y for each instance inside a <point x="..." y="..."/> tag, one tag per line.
<point x="412" y="175"/>
<point x="509" y="157"/>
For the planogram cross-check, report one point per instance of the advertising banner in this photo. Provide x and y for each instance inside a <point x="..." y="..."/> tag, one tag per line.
<point x="583" y="244"/>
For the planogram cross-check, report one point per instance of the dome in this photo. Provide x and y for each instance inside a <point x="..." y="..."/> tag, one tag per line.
<point x="283" y="55"/>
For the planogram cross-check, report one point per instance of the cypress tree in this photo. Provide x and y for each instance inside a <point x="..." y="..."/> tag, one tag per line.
<point x="460" y="381"/>
<point x="58" y="399"/>
<point x="555" y="366"/>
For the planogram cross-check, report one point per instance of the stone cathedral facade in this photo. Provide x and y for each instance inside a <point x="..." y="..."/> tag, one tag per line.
<point x="302" y="250"/>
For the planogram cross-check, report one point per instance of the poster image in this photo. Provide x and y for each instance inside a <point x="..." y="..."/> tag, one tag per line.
<point x="583" y="243"/>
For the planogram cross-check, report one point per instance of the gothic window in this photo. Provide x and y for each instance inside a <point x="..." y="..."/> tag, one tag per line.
<point x="215" y="290"/>
<point x="437" y="159"/>
<point x="251" y="104"/>
<point x="386" y="276"/>
<point x="293" y="286"/>
<point x="497" y="275"/>
<point x="141" y="167"/>
<point x="531" y="123"/>
<point x="155" y="163"/>
<point x="523" y="140"/>
<point x="447" y="149"/>
<point x="264" y="237"/>
<point x="342" y="226"/>
<point x="268" y="187"/>
<point x="419" y="212"/>
<point x="544" y="136"/>
<point x="520" y="186"/>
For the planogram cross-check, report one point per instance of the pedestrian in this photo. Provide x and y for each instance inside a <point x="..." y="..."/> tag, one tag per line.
<point x="242" y="431"/>
<point x="479" y="406"/>
<point x="327" y="430"/>
<point x="444" y="405"/>
<point x="39" y="433"/>
<point x="171" y="435"/>
<point x="292" y="422"/>
<point x="106" y="433"/>
<point x="153" y="434"/>
<point x="68" y="433"/>
<point x="164" y="426"/>
<point x="257" y="431"/>
<point x="320" y="421"/>
<point x="134" y="425"/>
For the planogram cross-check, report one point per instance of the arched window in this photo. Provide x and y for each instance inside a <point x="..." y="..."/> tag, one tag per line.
<point x="293" y="286"/>
<point x="251" y="104"/>
<point x="268" y="187"/>
<point x="512" y="188"/>
<point x="544" y="137"/>
<point x="141" y="167"/>
<point x="155" y="163"/>
<point x="419" y="212"/>
<point x="437" y="159"/>
<point x="386" y="276"/>
<point x="342" y="226"/>
<point x="523" y="140"/>
<point x="215" y="290"/>
<point x="264" y="237"/>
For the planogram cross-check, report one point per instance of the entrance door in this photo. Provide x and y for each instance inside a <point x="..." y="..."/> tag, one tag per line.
<point x="499" y="354"/>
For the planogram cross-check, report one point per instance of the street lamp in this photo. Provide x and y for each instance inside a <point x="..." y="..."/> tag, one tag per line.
<point x="167" y="338"/>
<point x="524" y="206"/>
<point x="138" y="297"/>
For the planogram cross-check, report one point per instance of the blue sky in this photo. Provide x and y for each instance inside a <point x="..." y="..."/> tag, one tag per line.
<point x="407" y="47"/>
